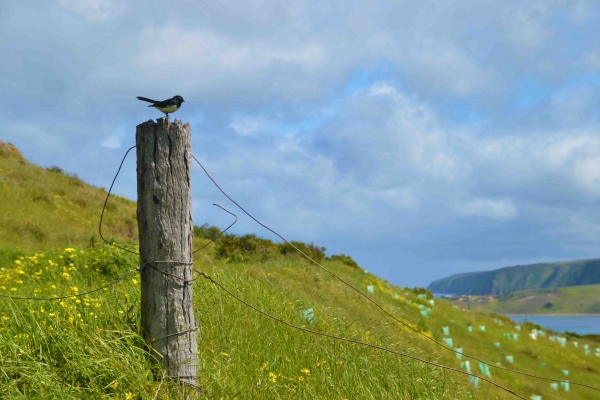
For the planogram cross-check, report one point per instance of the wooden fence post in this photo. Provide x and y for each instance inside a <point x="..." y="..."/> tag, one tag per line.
<point x="166" y="230"/>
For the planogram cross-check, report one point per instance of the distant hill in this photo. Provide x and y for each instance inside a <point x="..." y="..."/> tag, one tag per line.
<point x="90" y="347"/>
<point x="583" y="299"/>
<point x="521" y="277"/>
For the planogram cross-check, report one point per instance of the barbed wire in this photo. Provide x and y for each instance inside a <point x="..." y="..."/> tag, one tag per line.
<point x="70" y="296"/>
<point x="204" y="275"/>
<point x="376" y="304"/>
<point x="135" y="252"/>
<point x="73" y="295"/>
<point x="354" y="341"/>
<point x="335" y="337"/>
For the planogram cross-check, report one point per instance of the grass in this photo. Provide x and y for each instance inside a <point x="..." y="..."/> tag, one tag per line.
<point x="90" y="346"/>
<point x="44" y="209"/>
<point x="583" y="299"/>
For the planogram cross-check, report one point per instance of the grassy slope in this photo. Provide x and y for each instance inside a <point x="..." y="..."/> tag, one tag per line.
<point x="90" y="347"/>
<point x="583" y="299"/>
<point x="41" y="209"/>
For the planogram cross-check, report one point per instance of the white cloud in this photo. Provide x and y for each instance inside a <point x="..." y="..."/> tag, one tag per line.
<point x="94" y="10"/>
<point x="528" y="27"/>
<point x="248" y="125"/>
<point x="389" y="162"/>
<point x="447" y="67"/>
<point x="489" y="208"/>
<point x="112" y="142"/>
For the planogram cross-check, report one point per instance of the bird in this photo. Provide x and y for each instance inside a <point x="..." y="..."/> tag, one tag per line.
<point x="166" y="106"/>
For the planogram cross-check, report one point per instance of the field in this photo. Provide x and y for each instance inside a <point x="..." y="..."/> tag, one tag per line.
<point x="584" y="299"/>
<point x="90" y="346"/>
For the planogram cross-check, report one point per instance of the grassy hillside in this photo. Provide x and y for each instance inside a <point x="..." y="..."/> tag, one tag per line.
<point x="90" y="346"/>
<point x="521" y="277"/>
<point x="46" y="208"/>
<point x="583" y="299"/>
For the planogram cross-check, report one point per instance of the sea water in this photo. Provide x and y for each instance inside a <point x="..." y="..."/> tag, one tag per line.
<point x="580" y="324"/>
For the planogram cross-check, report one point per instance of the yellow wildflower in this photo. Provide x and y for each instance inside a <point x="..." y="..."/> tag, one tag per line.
<point x="128" y="396"/>
<point x="305" y="371"/>
<point x="272" y="377"/>
<point x="69" y="250"/>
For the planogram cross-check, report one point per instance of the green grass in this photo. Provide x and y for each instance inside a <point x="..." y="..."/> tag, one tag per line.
<point x="91" y="347"/>
<point x="44" y="209"/>
<point x="584" y="299"/>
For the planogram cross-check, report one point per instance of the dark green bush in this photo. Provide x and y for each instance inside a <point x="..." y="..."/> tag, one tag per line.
<point x="420" y="290"/>
<point x="207" y="232"/>
<point x="244" y="248"/>
<point x="253" y="248"/>
<point x="344" y="259"/>
<point x="315" y="252"/>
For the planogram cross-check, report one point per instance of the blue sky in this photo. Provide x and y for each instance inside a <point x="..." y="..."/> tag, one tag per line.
<point x="423" y="138"/>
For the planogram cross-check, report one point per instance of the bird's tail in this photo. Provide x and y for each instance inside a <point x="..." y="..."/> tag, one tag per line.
<point x="146" y="99"/>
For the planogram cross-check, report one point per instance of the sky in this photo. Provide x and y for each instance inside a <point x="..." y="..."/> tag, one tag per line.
<point x="423" y="138"/>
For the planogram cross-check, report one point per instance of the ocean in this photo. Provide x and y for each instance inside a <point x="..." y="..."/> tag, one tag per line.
<point x="580" y="324"/>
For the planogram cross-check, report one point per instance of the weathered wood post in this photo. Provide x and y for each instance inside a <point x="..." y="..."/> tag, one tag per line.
<point x="165" y="227"/>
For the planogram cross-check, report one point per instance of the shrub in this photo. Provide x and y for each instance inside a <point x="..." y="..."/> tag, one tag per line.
<point x="207" y="232"/>
<point x="420" y="290"/>
<point x="315" y="252"/>
<point x="244" y="248"/>
<point x="344" y="259"/>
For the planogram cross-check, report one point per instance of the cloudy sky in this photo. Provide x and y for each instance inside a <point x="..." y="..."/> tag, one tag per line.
<point x="424" y="138"/>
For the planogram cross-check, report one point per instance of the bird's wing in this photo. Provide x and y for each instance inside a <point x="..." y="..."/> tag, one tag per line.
<point x="165" y="103"/>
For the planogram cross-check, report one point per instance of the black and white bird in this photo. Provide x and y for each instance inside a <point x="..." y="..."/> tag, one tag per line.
<point x="166" y="106"/>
